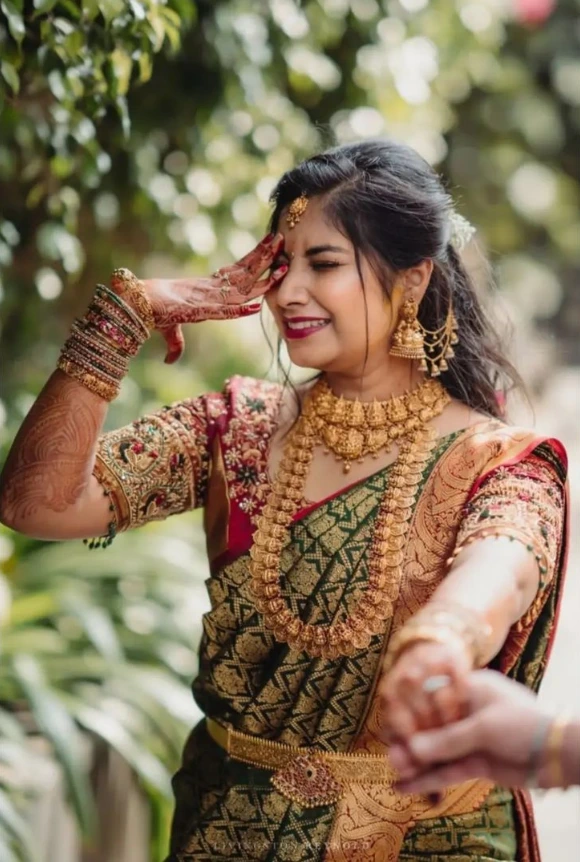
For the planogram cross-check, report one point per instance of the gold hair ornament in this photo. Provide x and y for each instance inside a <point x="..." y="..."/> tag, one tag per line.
<point x="296" y="210"/>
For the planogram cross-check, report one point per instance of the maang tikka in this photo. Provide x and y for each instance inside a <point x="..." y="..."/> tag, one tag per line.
<point x="411" y="340"/>
<point x="296" y="210"/>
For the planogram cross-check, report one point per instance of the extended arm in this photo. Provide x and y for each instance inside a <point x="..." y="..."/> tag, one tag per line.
<point x="500" y="575"/>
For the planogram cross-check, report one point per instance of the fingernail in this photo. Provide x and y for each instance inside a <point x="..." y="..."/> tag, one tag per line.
<point x="434" y="798"/>
<point x="268" y="239"/>
<point x="282" y="270"/>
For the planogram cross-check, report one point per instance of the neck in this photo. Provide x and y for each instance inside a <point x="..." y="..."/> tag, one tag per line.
<point x="380" y="383"/>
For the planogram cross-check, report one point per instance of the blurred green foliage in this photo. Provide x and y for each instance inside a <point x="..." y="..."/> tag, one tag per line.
<point x="149" y="133"/>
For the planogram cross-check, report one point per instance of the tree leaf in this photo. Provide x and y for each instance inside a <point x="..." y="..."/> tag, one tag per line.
<point x="7" y="853"/>
<point x="44" y="6"/>
<point x="121" y="65"/>
<point x="32" y="606"/>
<point x="58" y="726"/>
<point x="175" y="696"/>
<point x="138" y="9"/>
<point x="37" y="639"/>
<point x="91" y="9"/>
<point x="145" y="64"/>
<point x="10" y="75"/>
<point x="15" y="826"/>
<point x="10" y="727"/>
<point x="13" y="11"/>
<point x="123" y="111"/>
<point x="110" y="729"/>
<point x="98" y="627"/>
<point x="111" y="9"/>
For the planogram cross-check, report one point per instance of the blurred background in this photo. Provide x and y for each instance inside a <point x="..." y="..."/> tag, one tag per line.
<point x="149" y="134"/>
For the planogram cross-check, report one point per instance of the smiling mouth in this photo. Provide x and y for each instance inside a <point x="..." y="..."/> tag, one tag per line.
<point x="303" y="328"/>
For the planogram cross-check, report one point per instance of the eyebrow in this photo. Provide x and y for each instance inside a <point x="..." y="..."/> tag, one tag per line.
<point x="319" y="249"/>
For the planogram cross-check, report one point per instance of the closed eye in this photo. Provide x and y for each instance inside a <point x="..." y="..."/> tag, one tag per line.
<point x="326" y="264"/>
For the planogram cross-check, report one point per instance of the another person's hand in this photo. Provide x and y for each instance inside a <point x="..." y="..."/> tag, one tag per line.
<point x="424" y="688"/>
<point x="499" y="739"/>
<point x="222" y="296"/>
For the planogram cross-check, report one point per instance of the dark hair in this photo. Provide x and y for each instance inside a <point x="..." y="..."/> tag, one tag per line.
<point x="393" y="207"/>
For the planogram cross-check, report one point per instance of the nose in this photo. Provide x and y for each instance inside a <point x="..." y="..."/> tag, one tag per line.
<point x="293" y="290"/>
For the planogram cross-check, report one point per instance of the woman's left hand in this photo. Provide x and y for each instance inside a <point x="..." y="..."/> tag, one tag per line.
<point x="425" y="688"/>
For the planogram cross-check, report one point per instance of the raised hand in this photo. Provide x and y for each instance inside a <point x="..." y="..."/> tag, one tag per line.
<point x="222" y="296"/>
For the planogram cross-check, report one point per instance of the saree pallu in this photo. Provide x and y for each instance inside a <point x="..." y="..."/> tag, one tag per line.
<point x="490" y="474"/>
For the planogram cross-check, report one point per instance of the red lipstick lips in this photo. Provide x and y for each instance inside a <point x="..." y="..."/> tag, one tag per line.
<point x="302" y="327"/>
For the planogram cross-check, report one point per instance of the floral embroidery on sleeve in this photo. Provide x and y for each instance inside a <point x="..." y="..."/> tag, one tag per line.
<point x="246" y="441"/>
<point x="158" y="466"/>
<point x="525" y="502"/>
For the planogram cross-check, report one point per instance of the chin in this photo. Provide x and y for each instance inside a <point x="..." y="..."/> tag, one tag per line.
<point x="308" y="358"/>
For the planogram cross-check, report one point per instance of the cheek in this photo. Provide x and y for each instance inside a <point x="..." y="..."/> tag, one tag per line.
<point x="356" y="312"/>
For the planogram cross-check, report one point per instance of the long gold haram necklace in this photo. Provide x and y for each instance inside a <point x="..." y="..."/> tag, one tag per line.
<point x="416" y="443"/>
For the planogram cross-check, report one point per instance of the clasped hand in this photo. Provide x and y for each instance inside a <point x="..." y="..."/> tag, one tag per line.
<point x="425" y="688"/>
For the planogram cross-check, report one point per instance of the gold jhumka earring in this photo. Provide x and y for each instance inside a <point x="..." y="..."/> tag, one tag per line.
<point x="411" y="340"/>
<point x="296" y="210"/>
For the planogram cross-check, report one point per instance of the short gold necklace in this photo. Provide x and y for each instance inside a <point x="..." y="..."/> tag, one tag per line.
<point x="416" y="444"/>
<point x="352" y="430"/>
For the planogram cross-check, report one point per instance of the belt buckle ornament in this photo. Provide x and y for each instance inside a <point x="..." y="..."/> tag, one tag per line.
<point x="309" y="781"/>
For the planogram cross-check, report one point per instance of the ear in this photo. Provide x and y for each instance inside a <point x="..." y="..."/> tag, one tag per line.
<point x="415" y="280"/>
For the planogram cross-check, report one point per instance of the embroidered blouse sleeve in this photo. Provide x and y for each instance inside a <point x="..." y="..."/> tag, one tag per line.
<point x="524" y="501"/>
<point x="159" y="465"/>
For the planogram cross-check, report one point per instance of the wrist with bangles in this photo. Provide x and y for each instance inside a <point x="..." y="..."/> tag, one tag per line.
<point x="100" y="345"/>
<point x="547" y="760"/>
<point x="459" y="627"/>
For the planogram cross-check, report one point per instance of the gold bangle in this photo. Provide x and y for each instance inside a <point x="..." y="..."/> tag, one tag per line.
<point x="415" y="634"/>
<point x="100" y="387"/>
<point x="444" y="622"/>
<point x="555" y="751"/>
<point x="130" y="286"/>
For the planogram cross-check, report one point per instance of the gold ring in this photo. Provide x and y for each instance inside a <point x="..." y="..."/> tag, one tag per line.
<point x="226" y="285"/>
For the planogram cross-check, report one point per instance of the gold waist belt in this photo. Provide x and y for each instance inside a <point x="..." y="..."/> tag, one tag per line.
<point x="304" y="775"/>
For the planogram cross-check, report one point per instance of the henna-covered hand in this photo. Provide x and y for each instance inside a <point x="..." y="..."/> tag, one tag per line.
<point x="219" y="297"/>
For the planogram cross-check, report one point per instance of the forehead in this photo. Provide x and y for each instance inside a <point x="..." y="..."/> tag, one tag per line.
<point x="313" y="228"/>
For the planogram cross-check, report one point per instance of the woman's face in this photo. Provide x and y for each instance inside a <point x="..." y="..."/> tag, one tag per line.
<point x="319" y="307"/>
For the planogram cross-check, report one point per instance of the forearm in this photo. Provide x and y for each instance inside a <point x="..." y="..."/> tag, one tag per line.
<point x="49" y="466"/>
<point x="497" y="580"/>
<point x="47" y="489"/>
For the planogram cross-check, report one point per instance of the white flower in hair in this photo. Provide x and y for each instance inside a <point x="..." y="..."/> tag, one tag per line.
<point x="461" y="231"/>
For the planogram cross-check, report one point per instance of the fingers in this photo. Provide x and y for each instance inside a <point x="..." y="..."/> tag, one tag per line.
<point x="447" y="743"/>
<point x="260" y="258"/>
<point x="424" y="689"/>
<point x="262" y="286"/>
<point x="231" y="312"/>
<point x="440" y="777"/>
<point x="417" y="700"/>
<point x="173" y="335"/>
<point x="450" y="701"/>
<point x="402" y="760"/>
<point x="245" y="273"/>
